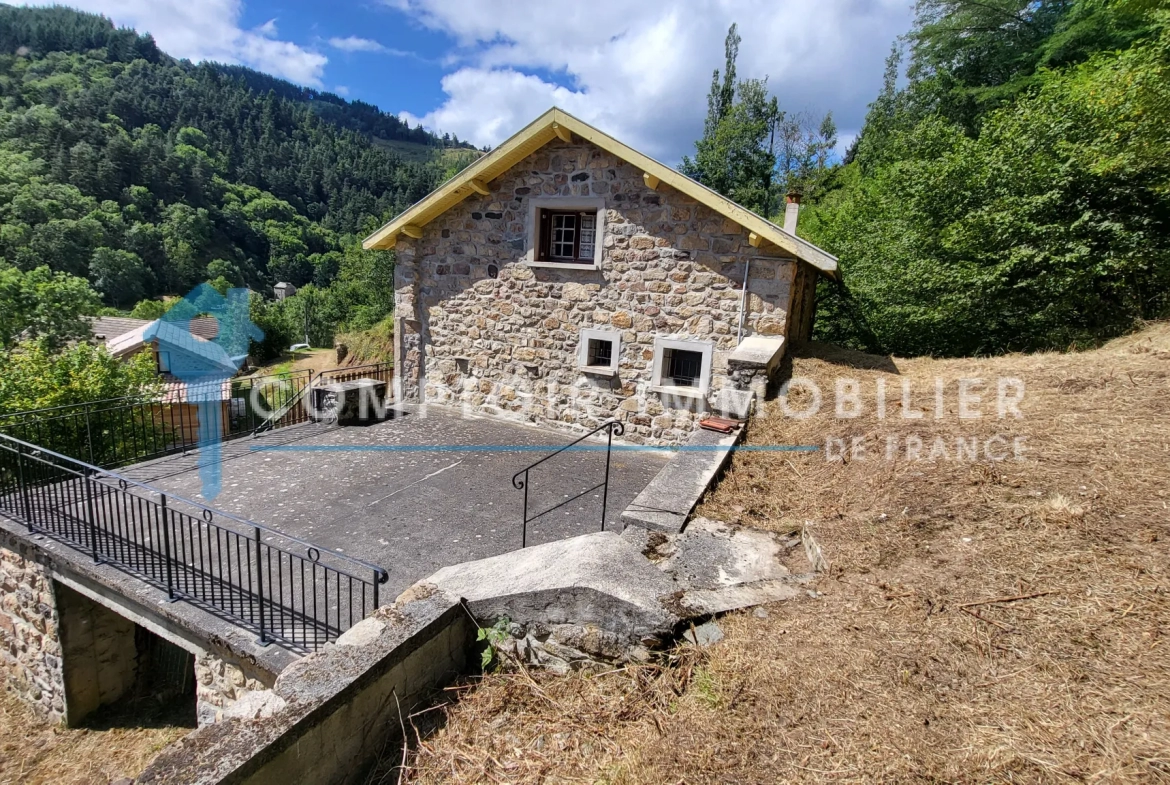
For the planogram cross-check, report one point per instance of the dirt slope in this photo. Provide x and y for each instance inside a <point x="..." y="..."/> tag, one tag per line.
<point x="902" y="669"/>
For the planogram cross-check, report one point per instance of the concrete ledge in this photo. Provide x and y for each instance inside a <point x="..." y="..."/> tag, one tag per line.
<point x="333" y="711"/>
<point x="667" y="502"/>
<point x="758" y="350"/>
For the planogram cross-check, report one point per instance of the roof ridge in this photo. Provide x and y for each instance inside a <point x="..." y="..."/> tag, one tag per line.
<point x="557" y="123"/>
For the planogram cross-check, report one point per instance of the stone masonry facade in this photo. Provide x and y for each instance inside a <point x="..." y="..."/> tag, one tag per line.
<point x="480" y="327"/>
<point x="30" y="646"/>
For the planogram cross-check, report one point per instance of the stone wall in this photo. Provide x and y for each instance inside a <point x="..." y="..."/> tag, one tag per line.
<point x="221" y="685"/>
<point x="479" y="327"/>
<point x="99" y="654"/>
<point x="30" y="647"/>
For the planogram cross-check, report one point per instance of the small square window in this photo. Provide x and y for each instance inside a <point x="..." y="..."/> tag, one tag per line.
<point x="682" y="367"/>
<point x="600" y="352"/>
<point x="567" y="237"/>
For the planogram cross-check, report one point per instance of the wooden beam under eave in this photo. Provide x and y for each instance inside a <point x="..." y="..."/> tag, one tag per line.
<point x="755" y="241"/>
<point x="564" y="134"/>
<point x="410" y="230"/>
<point x="651" y="181"/>
<point x="480" y="187"/>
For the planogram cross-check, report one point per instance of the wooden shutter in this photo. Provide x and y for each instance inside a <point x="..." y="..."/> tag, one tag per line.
<point x="544" y="236"/>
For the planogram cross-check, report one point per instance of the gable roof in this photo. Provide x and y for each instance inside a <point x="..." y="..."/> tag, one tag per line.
<point x="173" y="338"/>
<point x="558" y="124"/>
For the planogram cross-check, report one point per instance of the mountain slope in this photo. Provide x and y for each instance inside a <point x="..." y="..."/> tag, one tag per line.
<point x="183" y="172"/>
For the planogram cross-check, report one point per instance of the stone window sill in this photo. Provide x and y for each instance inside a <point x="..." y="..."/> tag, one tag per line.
<point x="566" y="265"/>
<point x="610" y="372"/>
<point x="681" y="392"/>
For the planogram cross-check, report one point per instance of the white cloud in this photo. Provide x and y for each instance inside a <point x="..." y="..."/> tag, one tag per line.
<point x="210" y="30"/>
<point x="341" y="90"/>
<point x="355" y="44"/>
<point x="641" y="71"/>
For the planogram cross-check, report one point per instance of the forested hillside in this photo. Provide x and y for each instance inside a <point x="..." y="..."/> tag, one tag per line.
<point x="146" y="175"/>
<point x="1010" y="190"/>
<point x="1014" y="192"/>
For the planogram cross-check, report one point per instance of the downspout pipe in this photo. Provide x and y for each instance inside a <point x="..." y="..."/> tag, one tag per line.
<point x="743" y="301"/>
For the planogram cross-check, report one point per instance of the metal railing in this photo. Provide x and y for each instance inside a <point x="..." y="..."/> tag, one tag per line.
<point x="121" y="431"/>
<point x="380" y="371"/>
<point x="268" y="402"/>
<point x="286" y="589"/>
<point x="293" y="410"/>
<point x="520" y="479"/>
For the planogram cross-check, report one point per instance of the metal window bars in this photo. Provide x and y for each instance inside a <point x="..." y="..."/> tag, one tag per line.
<point x="289" y="591"/>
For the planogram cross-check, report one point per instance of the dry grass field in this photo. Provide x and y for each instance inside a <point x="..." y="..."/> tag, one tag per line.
<point x="980" y="621"/>
<point x="33" y="752"/>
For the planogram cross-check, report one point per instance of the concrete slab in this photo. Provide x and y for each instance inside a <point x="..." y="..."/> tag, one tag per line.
<point x="711" y="602"/>
<point x="759" y="350"/>
<point x="425" y="489"/>
<point x="712" y="554"/>
<point x="667" y="502"/>
<point x="597" y="580"/>
<point x="722" y="567"/>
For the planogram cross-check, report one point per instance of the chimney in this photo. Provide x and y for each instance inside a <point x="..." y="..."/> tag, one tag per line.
<point x="792" y="212"/>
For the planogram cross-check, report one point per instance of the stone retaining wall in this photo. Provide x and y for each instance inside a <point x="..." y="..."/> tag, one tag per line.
<point x="68" y="631"/>
<point x="478" y="326"/>
<point x="99" y="655"/>
<point x="331" y="714"/>
<point x="30" y="645"/>
<point x="220" y="685"/>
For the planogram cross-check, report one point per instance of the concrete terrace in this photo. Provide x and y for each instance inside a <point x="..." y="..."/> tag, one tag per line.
<point x="422" y="490"/>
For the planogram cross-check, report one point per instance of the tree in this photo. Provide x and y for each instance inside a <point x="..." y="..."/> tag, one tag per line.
<point x="119" y="276"/>
<point x="44" y="306"/>
<point x="753" y="152"/>
<point x="149" y="310"/>
<point x="33" y="377"/>
<point x="1046" y="227"/>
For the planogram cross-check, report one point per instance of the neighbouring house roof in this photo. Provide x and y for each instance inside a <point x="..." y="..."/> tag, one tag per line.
<point x="174" y="337"/>
<point x="128" y="343"/>
<point x="107" y="328"/>
<point x="558" y="124"/>
<point x="112" y="329"/>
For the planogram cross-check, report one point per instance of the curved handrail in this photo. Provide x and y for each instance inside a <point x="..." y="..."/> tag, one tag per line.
<point x="124" y="482"/>
<point x="615" y="427"/>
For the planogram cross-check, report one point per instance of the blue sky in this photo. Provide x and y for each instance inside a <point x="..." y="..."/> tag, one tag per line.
<point x="482" y="69"/>
<point x="402" y="75"/>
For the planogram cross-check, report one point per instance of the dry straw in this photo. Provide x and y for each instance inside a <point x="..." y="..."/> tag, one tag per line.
<point x="979" y="621"/>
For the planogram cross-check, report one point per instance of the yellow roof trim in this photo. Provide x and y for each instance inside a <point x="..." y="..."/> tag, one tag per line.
<point x="554" y="124"/>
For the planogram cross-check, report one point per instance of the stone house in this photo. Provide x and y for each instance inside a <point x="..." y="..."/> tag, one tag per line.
<point x="565" y="278"/>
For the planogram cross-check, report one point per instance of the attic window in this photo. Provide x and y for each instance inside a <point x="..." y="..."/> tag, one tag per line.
<point x="567" y="237"/>
<point x="565" y="231"/>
